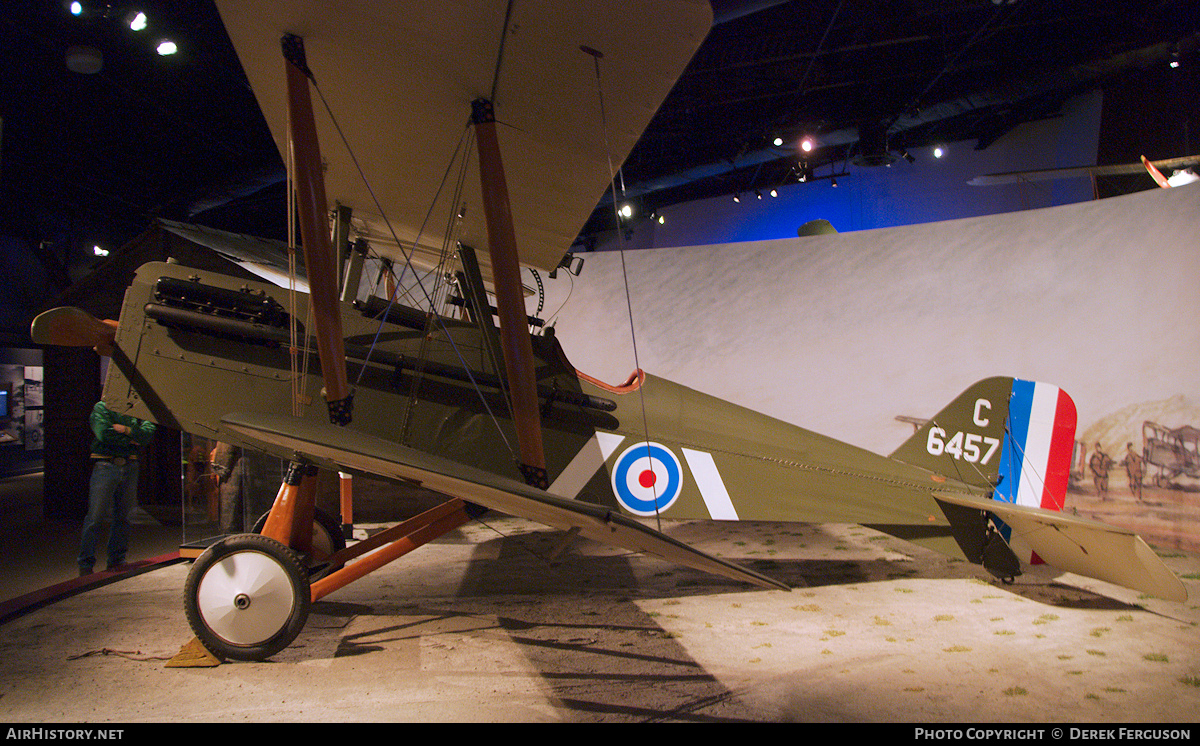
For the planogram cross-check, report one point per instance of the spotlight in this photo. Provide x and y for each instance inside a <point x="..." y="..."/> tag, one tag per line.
<point x="627" y="210"/>
<point x="76" y="9"/>
<point x="833" y="180"/>
<point x="757" y="194"/>
<point x="774" y="192"/>
<point x="662" y="220"/>
<point x="806" y="145"/>
<point x="778" y="141"/>
<point x="939" y="151"/>
<point x="138" y="22"/>
<point x="97" y="251"/>
<point x="737" y="198"/>
<point x="167" y="47"/>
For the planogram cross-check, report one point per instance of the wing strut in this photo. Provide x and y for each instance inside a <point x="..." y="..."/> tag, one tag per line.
<point x="314" y="232"/>
<point x="510" y="301"/>
<point x="291" y="517"/>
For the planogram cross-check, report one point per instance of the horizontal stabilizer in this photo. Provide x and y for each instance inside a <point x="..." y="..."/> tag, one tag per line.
<point x="1084" y="547"/>
<point x="347" y="450"/>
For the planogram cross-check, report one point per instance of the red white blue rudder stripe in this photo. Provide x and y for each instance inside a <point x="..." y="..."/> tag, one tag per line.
<point x="1035" y="463"/>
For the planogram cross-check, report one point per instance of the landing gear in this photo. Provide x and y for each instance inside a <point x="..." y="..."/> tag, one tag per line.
<point x="247" y="597"/>
<point x="326" y="537"/>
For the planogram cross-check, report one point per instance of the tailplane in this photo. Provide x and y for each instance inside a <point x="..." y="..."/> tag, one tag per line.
<point x="1014" y="439"/>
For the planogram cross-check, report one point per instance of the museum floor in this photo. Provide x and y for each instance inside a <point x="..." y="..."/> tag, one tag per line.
<point x="481" y="626"/>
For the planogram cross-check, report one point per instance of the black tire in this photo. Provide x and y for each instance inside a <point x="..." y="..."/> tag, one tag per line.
<point x="247" y="597"/>
<point x="327" y="536"/>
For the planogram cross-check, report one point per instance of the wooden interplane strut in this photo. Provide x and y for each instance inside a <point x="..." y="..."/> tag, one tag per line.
<point x="312" y="208"/>
<point x="510" y="300"/>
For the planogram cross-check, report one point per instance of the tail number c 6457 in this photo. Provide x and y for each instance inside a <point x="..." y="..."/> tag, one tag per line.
<point x="970" y="447"/>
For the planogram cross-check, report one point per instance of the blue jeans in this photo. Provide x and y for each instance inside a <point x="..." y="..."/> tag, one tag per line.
<point x="113" y="489"/>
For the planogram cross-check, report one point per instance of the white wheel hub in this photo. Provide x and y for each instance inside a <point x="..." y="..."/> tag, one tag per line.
<point x="246" y="598"/>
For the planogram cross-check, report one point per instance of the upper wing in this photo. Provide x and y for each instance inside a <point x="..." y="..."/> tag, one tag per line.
<point x="399" y="76"/>
<point x="1084" y="547"/>
<point x="348" y="449"/>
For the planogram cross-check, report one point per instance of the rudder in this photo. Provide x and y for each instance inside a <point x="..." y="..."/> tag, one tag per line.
<point x="1012" y="436"/>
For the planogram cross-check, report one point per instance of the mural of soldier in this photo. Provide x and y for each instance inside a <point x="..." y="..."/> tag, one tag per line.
<point x="1100" y="463"/>
<point x="1134" y="468"/>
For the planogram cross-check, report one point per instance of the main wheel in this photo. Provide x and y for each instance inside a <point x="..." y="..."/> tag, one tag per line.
<point x="326" y="536"/>
<point x="247" y="597"/>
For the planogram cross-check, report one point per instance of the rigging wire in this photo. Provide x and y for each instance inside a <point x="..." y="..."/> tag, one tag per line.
<point x="612" y="177"/>
<point x="435" y="316"/>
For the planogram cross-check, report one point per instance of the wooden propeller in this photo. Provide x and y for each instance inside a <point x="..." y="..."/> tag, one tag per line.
<point x="68" y="326"/>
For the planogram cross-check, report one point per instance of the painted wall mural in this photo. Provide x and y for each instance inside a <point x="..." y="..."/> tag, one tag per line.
<point x="859" y="334"/>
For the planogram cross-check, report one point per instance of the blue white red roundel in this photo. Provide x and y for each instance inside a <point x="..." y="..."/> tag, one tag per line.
<point x="647" y="478"/>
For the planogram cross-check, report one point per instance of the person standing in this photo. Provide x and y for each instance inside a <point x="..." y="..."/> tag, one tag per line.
<point x="113" y="487"/>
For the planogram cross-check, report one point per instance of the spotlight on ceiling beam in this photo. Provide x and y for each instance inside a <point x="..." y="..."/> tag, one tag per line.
<point x="737" y="198"/>
<point x="774" y="192"/>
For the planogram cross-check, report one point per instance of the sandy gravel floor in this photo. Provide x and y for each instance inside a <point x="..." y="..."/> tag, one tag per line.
<point x="479" y="626"/>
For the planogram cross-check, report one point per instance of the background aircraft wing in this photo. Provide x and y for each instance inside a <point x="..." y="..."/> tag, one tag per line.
<point x="1084" y="547"/>
<point x="346" y="449"/>
<point x="400" y="75"/>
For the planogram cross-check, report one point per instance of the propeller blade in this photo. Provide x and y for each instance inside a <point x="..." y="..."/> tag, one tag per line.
<point x="67" y="326"/>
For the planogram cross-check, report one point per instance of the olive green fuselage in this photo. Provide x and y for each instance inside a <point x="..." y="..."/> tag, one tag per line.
<point x="184" y="362"/>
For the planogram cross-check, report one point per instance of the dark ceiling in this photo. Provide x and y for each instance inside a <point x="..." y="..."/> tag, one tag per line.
<point x="94" y="157"/>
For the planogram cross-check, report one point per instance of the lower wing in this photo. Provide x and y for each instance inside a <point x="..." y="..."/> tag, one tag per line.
<point x="348" y="449"/>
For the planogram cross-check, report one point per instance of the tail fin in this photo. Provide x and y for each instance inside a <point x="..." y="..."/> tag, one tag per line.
<point x="1010" y="435"/>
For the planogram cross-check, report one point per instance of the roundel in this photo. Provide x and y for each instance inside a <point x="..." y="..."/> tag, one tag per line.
<point x="647" y="478"/>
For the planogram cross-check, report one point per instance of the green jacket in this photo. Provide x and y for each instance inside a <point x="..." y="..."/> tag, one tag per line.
<point x="109" y="443"/>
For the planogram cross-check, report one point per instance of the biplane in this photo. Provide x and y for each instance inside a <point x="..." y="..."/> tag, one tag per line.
<point x="465" y="140"/>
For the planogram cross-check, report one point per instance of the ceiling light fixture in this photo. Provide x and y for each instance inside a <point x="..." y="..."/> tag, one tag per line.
<point x="807" y="145"/>
<point x="939" y="151"/>
<point x="778" y="141"/>
<point x="737" y="198"/>
<point x="138" y="21"/>
<point x="76" y="9"/>
<point x="774" y="192"/>
<point x="167" y="47"/>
